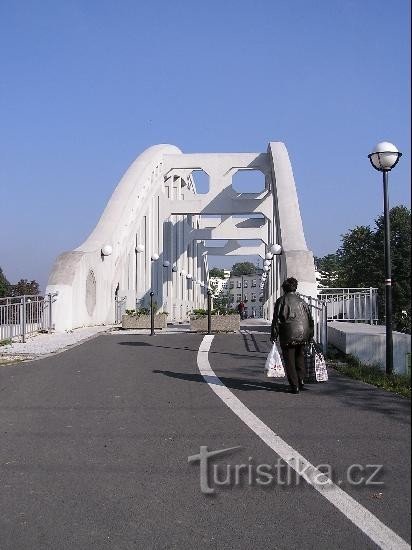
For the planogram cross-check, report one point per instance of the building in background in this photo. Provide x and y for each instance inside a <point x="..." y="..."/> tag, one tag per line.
<point x="244" y="288"/>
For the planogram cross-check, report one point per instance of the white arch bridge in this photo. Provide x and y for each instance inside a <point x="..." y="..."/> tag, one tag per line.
<point x="154" y="232"/>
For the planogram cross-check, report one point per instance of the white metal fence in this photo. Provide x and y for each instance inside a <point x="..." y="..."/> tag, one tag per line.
<point x="320" y="319"/>
<point x="21" y="316"/>
<point x="119" y="309"/>
<point x="351" y="304"/>
<point x="342" y="304"/>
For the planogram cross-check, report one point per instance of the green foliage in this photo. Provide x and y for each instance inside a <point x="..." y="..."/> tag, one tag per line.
<point x="24" y="287"/>
<point x="198" y="313"/>
<point x="243" y="268"/>
<point x="6" y="342"/>
<point x="358" y="259"/>
<point x="139" y="311"/>
<point x="221" y="301"/>
<point x="400" y="219"/>
<point x="359" y="262"/>
<point x="4" y="285"/>
<point x="217" y="272"/>
<point x="328" y="267"/>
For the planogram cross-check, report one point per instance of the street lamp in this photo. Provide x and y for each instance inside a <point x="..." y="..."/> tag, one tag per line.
<point x="384" y="157"/>
<point x="276" y="249"/>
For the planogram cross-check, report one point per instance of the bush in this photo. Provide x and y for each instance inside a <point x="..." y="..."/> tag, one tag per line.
<point x="197" y="313"/>
<point x="139" y="311"/>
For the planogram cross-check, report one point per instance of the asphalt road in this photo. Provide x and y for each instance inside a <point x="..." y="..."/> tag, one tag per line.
<point x="95" y="445"/>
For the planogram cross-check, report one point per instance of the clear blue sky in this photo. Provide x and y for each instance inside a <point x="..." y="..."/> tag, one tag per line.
<point x="86" y="86"/>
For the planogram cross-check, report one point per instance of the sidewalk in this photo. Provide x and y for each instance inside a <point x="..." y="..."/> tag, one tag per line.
<point x="41" y="345"/>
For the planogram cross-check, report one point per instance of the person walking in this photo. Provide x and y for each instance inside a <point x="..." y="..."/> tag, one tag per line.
<point x="241" y="310"/>
<point x="293" y="324"/>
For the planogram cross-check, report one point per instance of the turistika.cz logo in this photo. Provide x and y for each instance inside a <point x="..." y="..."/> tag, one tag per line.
<point x="281" y="472"/>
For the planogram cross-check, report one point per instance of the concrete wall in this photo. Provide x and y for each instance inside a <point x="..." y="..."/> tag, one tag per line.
<point x="367" y="343"/>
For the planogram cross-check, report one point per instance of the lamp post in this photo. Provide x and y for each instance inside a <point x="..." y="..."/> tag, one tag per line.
<point x="383" y="158"/>
<point x="151" y="314"/>
<point x="209" y="311"/>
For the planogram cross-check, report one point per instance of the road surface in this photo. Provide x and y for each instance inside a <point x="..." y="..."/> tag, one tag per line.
<point x="95" y="445"/>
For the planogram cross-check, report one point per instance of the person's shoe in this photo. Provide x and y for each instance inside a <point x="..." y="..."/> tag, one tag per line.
<point x="294" y="389"/>
<point x="302" y="385"/>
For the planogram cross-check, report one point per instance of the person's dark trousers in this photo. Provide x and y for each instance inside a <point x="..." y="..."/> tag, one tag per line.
<point x="294" y="362"/>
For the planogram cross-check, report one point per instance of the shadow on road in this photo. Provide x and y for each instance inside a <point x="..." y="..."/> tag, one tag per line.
<point x="342" y="390"/>
<point x="187" y="348"/>
<point x="234" y="383"/>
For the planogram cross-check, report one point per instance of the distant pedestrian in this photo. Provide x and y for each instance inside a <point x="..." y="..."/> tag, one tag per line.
<point x="293" y="324"/>
<point x="241" y="309"/>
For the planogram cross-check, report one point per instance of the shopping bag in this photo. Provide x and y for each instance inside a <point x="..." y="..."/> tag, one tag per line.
<point x="321" y="372"/>
<point x="315" y="364"/>
<point x="273" y="365"/>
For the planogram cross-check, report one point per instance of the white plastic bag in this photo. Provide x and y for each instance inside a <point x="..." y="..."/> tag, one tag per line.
<point x="273" y="365"/>
<point x="321" y="371"/>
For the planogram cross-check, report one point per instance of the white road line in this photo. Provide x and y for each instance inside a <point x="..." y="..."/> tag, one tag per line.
<point x="378" y="532"/>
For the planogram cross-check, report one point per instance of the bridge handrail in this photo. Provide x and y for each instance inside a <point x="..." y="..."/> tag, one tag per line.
<point x="26" y="314"/>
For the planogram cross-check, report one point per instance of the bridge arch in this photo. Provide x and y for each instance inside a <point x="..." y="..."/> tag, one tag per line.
<point x="151" y="235"/>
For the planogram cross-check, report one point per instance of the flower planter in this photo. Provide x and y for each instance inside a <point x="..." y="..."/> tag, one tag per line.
<point x="220" y="323"/>
<point x="143" y="321"/>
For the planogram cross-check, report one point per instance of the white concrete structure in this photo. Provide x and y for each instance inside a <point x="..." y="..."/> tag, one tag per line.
<point x="152" y="234"/>
<point x="368" y="344"/>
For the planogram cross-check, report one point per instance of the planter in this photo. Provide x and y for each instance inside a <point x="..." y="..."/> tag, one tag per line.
<point x="143" y="321"/>
<point x="220" y="323"/>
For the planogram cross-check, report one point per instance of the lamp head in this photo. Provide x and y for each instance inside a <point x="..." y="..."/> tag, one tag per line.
<point x="276" y="249"/>
<point x="384" y="156"/>
<point x="106" y="250"/>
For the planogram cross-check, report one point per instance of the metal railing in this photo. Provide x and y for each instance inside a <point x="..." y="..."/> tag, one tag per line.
<point x="119" y="309"/>
<point x="320" y="319"/>
<point x="351" y="304"/>
<point x="21" y="316"/>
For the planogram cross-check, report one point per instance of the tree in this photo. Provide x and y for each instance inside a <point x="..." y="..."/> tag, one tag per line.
<point x="358" y="258"/>
<point x="217" y="272"/>
<point x="4" y="284"/>
<point x="328" y="268"/>
<point x="359" y="262"/>
<point x="243" y="268"/>
<point x="400" y="222"/>
<point x="24" y="287"/>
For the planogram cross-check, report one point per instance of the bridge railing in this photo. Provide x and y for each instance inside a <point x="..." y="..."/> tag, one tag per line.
<point x="21" y="316"/>
<point x="351" y="304"/>
<point x="320" y="319"/>
<point x="119" y="309"/>
<point x="341" y="304"/>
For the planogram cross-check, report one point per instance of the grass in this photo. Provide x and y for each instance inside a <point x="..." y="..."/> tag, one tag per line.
<point x="353" y="368"/>
<point x="8" y="360"/>
<point x="6" y="342"/>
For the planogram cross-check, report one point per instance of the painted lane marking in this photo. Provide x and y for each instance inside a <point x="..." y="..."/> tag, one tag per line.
<point x="377" y="531"/>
